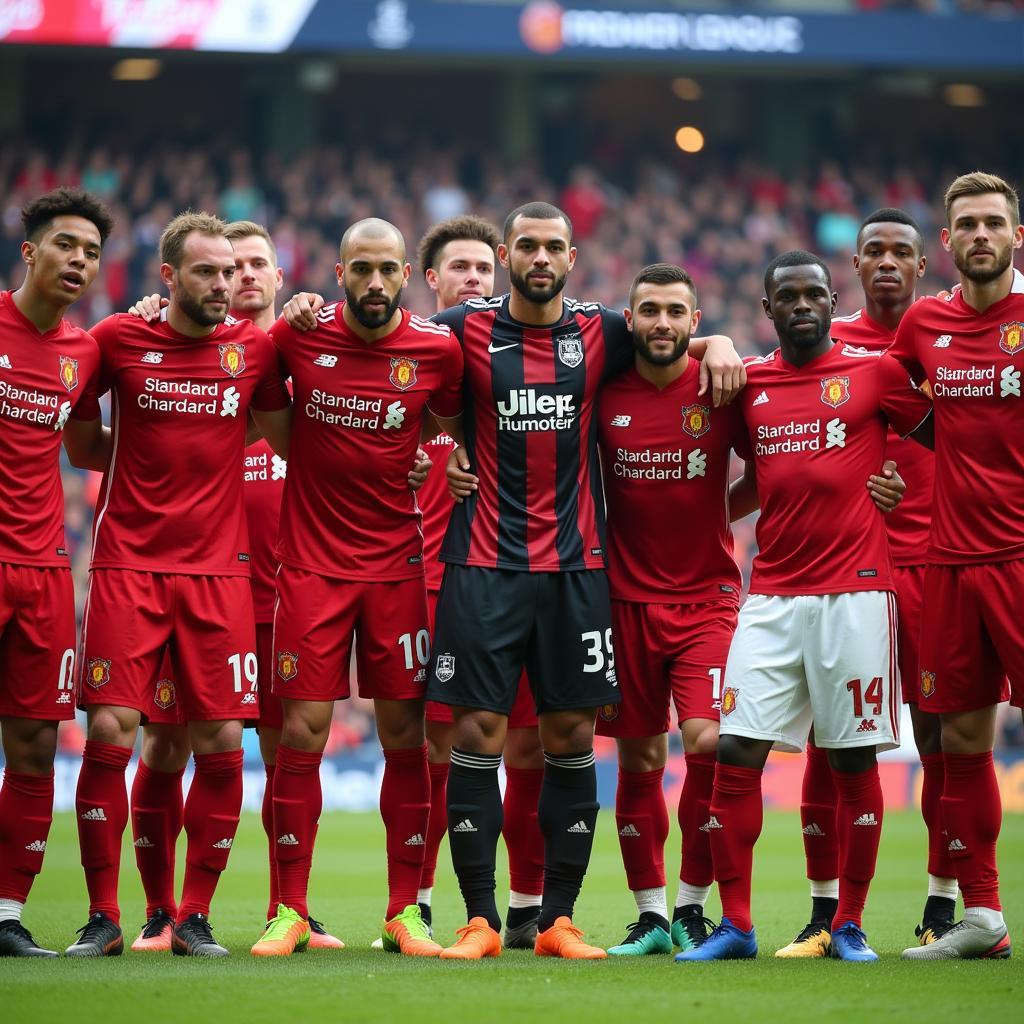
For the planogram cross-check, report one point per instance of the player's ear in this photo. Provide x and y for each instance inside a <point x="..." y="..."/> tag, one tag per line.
<point x="856" y="264"/>
<point x="28" y="252"/>
<point x="835" y="301"/>
<point x="167" y="274"/>
<point x="406" y="271"/>
<point x="767" y="307"/>
<point x="946" y="239"/>
<point x="503" y="254"/>
<point x="627" y="313"/>
<point x="339" y="270"/>
<point x="694" y="322"/>
<point x="921" y="264"/>
<point x="432" y="280"/>
<point x="1018" y="236"/>
<point x="572" y="256"/>
<point x="278" y="279"/>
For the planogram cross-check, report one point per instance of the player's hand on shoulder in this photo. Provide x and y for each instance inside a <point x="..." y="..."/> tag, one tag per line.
<point x="887" y="487"/>
<point x="461" y="483"/>
<point x="148" y="307"/>
<point x="722" y="369"/>
<point x="300" y="311"/>
<point x="420" y="470"/>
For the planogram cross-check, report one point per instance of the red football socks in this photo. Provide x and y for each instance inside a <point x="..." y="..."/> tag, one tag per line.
<point x="972" y="812"/>
<point x="933" y="782"/>
<point x="101" y="803"/>
<point x="157" y="813"/>
<point x="641" y="819"/>
<point x="696" y="867"/>
<point x="818" y="807"/>
<point x="211" y="820"/>
<point x="267" y="816"/>
<point x="298" y="800"/>
<point x="26" y="812"/>
<point x="860" y="828"/>
<point x="437" y="823"/>
<point x="734" y="824"/>
<point x="521" y="830"/>
<point x="405" y="808"/>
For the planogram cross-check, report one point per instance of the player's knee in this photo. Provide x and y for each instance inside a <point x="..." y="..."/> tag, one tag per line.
<point x="113" y="725"/>
<point x="305" y="727"/>
<point x="567" y="732"/>
<point x="166" y="748"/>
<point x="523" y="749"/>
<point x="480" y="732"/>
<point x="643" y="755"/>
<point x="30" y="746"/>
<point x="852" y="760"/>
<point x="399" y="723"/>
<point x="742" y="751"/>
<point x="215" y="737"/>
<point x="927" y="733"/>
<point x="700" y="736"/>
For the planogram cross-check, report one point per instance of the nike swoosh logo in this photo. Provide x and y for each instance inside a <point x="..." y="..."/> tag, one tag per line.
<point x="501" y="348"/>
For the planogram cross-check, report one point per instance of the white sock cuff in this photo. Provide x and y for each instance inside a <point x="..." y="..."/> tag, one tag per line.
<point x="651" y="901"/>
<point x="825" y="889"/>
<point x="423" y="895"/>
<point x="691" y="894"/>
<point x="10" y="910"/>
<point x="945" y="887"/>
<point x="521" y="900"/>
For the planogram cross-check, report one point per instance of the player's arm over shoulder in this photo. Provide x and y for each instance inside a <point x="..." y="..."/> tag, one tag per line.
<point x="907" y="407"/>
<point x="444" y="406"/>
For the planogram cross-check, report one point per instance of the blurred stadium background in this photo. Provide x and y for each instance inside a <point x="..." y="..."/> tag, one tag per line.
<point x="701" y="132"/>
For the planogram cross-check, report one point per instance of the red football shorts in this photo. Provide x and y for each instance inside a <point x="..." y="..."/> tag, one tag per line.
<point x="37" y="642"/>
<point x="909" y="582"/>
<point x="971" y="638"/>
<point x="165" y="709"/>
<point x="667" y="652"/>
<point x="524" y="711"/>
<point x="313" y="635"/>
<point x="271" y="714"/>
<point x="204" y="622"/>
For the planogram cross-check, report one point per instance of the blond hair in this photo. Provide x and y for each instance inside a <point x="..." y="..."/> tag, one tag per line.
<point x="172" y="241"/>
<point x="978" y="183"/>
<point x="239" y="229"/>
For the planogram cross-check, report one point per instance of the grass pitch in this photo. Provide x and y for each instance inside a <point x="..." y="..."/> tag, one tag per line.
<point x="360" y="984"/>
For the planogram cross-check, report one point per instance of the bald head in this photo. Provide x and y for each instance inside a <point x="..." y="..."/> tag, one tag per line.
<point x="372" y="229"/>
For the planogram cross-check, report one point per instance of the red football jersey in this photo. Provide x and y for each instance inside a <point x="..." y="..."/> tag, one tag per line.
<point x="263" y="473"/>
<point x="348" y="510"/>
<point x="436" y="505"/>
<point x="171" y="498"/>
<point x="816" y="433"/>
<point x="974" y="364"/>
<point x="665" y="455"/>
<point x="909" y="524"/>
<point x="43" y="379"/>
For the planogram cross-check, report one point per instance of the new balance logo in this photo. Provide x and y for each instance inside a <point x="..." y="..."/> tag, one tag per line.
<point x="96" y="814"/>
<point x="630" y="831"/>
<point x="943" y="340"/>
<point x="712" y="823"/>
<point x="867" y="725"/>
<point x="153" y="357"/>
<point x="416" y="840"/>
<point x="580" y="828"/>
<point x="867" y="819"/>
<point x="465" y="826"/>
<point x="37" y="846"/>
<point x="812" y="830"/>
<point x="762" y="399"/>
<point x="5" y="362"/>
<point x="143" y="843"/>
<point x="325" y="360"/>
<point x="287" y="840"/>
<point x="620" y="421"/>
<point x="223" y="844"/>
<point x="955" y="846"/>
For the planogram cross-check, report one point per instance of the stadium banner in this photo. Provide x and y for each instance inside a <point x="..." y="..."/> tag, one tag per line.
<point x="539" y="29"/>
<point x="351" y="780"/>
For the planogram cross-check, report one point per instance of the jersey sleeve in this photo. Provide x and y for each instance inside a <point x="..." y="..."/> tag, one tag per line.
<point x="446" y="400"/>
<point x="904" y="349"/>
<point x="905" y="406"/>
<point x="453" y="317"/>
<point x="618" y="342"/>
<point x="271" y="393"/>
<point x="105" y="336"/>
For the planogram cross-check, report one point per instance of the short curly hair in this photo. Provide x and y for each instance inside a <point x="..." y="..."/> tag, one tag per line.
<point x="39" y="213"/>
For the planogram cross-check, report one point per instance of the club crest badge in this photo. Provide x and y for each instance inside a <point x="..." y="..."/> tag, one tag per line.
<point x="232" y="358"/>
<point x="403" y="372"/>
<point x="287" y="665"/>
<point x="98" y="672"/>
<point x="729" y="696"/>
<point x="1011" y="337"/>
<point x="696" y="420"/>
<point x="609" y="712"/>
<point x="570" y="350"/>
<point x="68" y="370"/>
<point x="927" y="683"/>
<point x="835" y="391"/>
<point x="444" y="669"/>
<point x="164" y="696"/>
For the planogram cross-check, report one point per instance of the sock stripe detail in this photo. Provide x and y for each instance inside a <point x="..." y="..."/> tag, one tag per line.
<point x="586" y="760"/>
<point x="481" y="762"/>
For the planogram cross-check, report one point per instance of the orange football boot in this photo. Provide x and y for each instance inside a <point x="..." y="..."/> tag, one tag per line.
<point x="565" y="940"/>
<point x="475" y="941"/>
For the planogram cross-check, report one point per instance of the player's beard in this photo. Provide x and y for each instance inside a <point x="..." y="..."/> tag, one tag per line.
<point x="808" y="340"/>
<point x="531" y="293"/>
<point x="372" y="321"/>
<point x="1004" y="260"/>
<point x="199" y="311"/>
<point x="682" y="343"/>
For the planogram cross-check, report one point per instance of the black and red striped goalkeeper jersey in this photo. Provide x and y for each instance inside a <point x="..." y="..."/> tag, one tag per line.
<point x="531" y="435"/>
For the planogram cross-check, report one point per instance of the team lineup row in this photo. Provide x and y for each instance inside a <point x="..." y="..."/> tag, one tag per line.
<point x="531" y="386"/>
